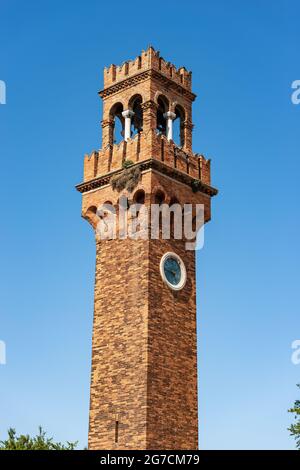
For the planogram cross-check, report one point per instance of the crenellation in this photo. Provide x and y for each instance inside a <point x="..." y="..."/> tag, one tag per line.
<point x="148" y="59"/>
<point x="90" y="165"/>
<point x="205" y="171"/>
<point x="141" y="147"/>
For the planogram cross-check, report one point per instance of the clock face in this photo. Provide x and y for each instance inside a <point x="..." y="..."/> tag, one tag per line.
<point x="173" y="271"/>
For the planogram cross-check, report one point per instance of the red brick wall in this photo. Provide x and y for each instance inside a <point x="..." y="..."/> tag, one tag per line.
<point x="119" y="357"/>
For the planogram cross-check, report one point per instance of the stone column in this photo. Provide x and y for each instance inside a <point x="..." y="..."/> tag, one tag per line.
<point x="169" y="116"/>
<point x="127" y="115"/>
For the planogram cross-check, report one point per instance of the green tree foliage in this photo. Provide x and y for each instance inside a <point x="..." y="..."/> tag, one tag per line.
<point x="38" y="442"/>
<point x="295" y="428"/>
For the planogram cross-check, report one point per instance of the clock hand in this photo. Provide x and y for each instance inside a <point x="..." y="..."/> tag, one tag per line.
<point x="171" y="271"/>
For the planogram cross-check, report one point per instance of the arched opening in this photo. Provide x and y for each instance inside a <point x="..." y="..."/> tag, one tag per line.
<point x="159" y="197"/>
<point x="178" y="131"/>
<point x="139" y="214"/>
<point x="162" y="108"/>
<point x="105" y="210"/>
<point x="106" y="228"/>
<point x="118" y="125"/>
<point x="91" y="216"/>
<point x="139" y="197"/>
<point x="135" y="105"/>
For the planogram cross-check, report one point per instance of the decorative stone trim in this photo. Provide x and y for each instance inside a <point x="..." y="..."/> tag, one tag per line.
<point x="146" y="165"/>
<point x="140" y="77"/>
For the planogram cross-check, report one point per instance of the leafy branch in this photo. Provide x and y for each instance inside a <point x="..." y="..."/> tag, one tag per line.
<point x="295" y="428"/>
<point x="38" y="442"/>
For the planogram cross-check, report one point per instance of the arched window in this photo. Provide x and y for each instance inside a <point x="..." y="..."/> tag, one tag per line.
<point x="162" y="108"/>
<point x="159" y="197"/>
<point x="116" y="115"/>
<point x="138" y="200"/>
<point x="91" y="216"/>
<point x="106" y="228"/>
<point x="178" y="131"/>
<point x="105" y="209"/>
<point x="135" y="105"/>
<point x="139" y="197"/>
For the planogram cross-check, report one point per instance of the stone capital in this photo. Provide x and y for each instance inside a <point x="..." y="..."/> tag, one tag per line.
<point x="169" y="115"/>
<point x="149" y="105"/>
<point x="127" y="113"/>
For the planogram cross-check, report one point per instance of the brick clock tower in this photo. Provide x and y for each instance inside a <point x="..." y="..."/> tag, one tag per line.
<point x="144" y="361"/>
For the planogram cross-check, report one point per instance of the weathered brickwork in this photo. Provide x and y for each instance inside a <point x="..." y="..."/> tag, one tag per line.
<point x="119" y="363"/>
<point x="172" y="421"/>
<point x="144" y="359"/>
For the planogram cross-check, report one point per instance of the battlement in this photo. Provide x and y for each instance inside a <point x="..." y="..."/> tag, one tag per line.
<point x="143" y="147"/>
<point x="147" y="60"/>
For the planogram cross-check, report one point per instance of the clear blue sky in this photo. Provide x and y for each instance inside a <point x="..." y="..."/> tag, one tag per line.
<point x="244" y="57"/>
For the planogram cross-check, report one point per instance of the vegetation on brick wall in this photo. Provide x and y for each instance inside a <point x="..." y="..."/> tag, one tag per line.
<point x="127" y="179"/>
<point x="38" y="442"/>
<point x="127" y="163"/>
<point x="295" y="428"/>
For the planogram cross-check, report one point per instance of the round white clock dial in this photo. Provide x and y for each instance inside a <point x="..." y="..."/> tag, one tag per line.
<point x="172" y="270"/>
